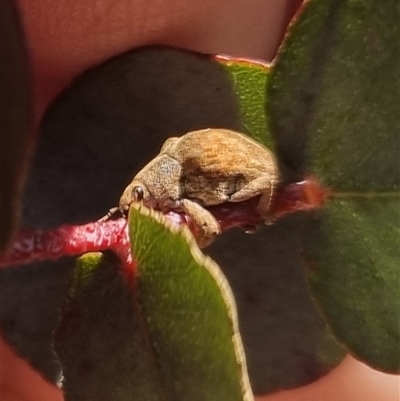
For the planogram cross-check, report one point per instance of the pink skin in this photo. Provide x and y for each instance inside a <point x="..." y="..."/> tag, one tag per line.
<point x="68" y="36"/>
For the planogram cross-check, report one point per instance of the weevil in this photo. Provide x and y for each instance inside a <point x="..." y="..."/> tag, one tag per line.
<point x="205" y="168"/>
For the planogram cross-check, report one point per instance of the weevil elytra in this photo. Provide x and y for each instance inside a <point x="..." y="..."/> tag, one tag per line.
<point x="205" y="168"/>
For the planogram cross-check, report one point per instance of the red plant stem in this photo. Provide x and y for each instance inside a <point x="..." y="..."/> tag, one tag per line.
<point x="299" y="196"/>
<point x="33" y="245"/>
<point x="36" y="244"/>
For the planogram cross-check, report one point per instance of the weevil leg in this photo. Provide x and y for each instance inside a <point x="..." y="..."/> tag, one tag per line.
<point x="111" y="214"/>
<point x="264" y="205"/>
<point x="202" y="219"/>
<point x="261" y="186"/>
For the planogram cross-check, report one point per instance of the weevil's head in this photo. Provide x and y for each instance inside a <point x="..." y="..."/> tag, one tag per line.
<point x="136" y="192"/>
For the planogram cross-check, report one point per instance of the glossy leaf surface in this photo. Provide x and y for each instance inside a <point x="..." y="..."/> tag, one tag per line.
<point x="168" y="333"/>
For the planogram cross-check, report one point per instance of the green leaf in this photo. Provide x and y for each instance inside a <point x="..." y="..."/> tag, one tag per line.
<point x="355" y="276"/>
<point x="290" y="345"/>
<point x="97" y="134"/>
<point x="99" y="343"/>
<point x="250" y="79"/>
<point x="189" y="311"/>
<point x="169" y="333"/>
<point x="334" y="109"/>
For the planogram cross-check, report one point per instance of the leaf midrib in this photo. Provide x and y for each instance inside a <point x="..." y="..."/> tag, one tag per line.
<point x="366" y="195"/>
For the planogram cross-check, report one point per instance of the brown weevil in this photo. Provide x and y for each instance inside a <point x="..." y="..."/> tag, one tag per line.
<point x="205" y="168"/>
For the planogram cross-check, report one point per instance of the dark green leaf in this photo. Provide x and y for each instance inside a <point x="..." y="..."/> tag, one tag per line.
<point x="354" y="272"/>
<point x="94" y="137"/>
<point x="287" y="342"/>
<point x="334" y="104"/>
<point x="290" y="345"/>
<point x="99" y="342"/>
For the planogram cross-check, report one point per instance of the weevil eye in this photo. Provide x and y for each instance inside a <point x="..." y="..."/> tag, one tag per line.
<point x="137" y="193"/>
